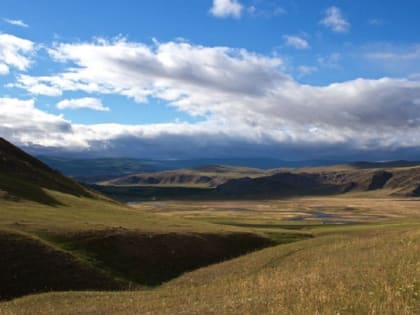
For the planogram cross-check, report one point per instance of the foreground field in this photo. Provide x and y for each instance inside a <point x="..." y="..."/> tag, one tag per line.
<point x="367" y="270"/>
<point x="352" y="256"/>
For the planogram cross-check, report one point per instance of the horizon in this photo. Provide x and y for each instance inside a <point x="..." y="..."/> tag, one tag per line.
<point x="223" y="79"/>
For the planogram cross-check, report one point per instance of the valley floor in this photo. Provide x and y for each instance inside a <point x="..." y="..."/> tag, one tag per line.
<point x="351" y="255"/>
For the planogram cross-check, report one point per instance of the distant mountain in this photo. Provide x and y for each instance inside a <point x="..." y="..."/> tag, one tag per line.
<point x="23" y="176"/>
<point x="400" y="163"/>
<point x="95" y="170"/>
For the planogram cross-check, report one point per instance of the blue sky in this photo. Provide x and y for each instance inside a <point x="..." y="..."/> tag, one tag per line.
<point x="196" y="78"/>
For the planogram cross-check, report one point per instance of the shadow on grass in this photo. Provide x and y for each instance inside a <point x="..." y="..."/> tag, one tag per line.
<point x="150" y="259"/>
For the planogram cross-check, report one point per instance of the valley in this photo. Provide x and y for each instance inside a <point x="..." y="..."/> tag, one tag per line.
<point x="179" y="246"/>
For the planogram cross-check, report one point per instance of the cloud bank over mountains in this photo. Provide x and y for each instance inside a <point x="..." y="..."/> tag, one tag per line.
<point x="248" y="103"/>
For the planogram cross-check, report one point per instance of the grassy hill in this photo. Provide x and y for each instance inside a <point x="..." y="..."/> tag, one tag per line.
<point x="205" y="176"/>
<point x="22" y="176"/>
<point x="56" y="234"/>
<point x="390" y="179"/>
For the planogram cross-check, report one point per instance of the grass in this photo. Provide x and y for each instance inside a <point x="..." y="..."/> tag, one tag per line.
<point x="369" y="265"/>
<point x="111" y="244"/>
<point x="370" y="272"/>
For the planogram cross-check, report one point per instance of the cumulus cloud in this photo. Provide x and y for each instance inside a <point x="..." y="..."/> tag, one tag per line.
<point x="19" y="23"/>
<point x="22" y="122"/>
<point x="335" y="20"/>
<point x="15" y="52"/>
<point x="190" y="77"/>
<point x="85" y="102"/>
<point x="226" y="8"/>
<point x="249" y="103"/>
<point x="296" y="42"/>
<point x="4" y="69"/>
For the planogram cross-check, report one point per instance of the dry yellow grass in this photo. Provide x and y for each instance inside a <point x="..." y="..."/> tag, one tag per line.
<point x="341" y="209"/>
<point x="369" y="272"/>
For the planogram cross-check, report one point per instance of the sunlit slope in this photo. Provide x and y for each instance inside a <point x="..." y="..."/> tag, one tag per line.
<point x="206" y="176"/>
<point x="371" y="270"/>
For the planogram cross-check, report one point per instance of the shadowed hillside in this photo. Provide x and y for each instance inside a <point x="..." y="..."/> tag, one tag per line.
<point x="398" y="181"/>
<point x="29" y="266"/>
<point x="23" y="176"/>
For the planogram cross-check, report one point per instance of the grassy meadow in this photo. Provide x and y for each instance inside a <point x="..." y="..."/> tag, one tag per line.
<point x="329" y="255"/>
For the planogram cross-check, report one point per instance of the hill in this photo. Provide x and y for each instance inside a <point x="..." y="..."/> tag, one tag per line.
<point x="57" y="235"/>
<point x="23" y="176"/>
<point x="205" y="176"/>
<point x="397" y="178"/>
<point x="388" y="181"/>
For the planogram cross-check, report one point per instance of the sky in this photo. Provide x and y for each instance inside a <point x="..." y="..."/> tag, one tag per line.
<point x="285" y="79"/>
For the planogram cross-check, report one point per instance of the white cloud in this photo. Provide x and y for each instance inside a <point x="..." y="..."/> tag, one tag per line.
<point x="306" y="70"/>
<point x="392" y="53"/>
<point x="395" y="59"/>
<point x="15" y="52"/>
<point x="4" y="69"/>
<point x="265" y="9"/>
<point x="226" y="8"/>
<point x="187" y="76"/>
<point x="246" y="99"/>
<point x="296" y="42"/>
<point x="19" y="23"/>
<point x="85" y="102"/>
<point x="37" y="85"/>
<point x="335" y="20"/>
<point x="22" y="122"/>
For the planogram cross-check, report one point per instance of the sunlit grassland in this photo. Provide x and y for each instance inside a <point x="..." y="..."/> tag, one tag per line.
<point x="77" y="214"/>
<point x="363" y="257"/>
<point x="373" y="271"/>
<point x="299" y="214"/>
